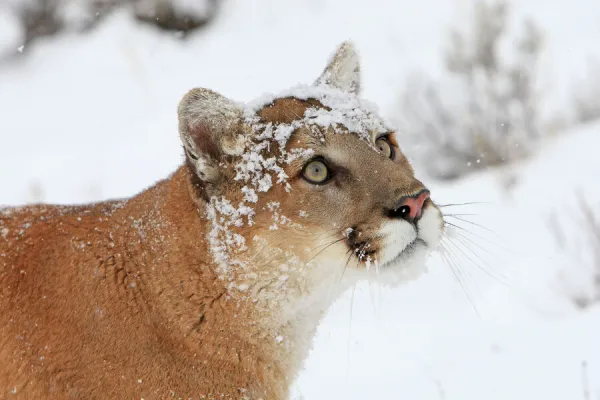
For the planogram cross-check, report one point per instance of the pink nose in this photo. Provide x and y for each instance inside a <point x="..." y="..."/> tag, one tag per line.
<point x="411" y="207"/>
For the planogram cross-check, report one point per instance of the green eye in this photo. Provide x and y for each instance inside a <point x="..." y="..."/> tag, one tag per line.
<point x="316" y="172"/>
<point x="385" y="147"/>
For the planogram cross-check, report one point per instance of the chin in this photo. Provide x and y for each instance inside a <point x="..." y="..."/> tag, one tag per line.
<point x="415" y="247"/>
<point x="407" y="266"/>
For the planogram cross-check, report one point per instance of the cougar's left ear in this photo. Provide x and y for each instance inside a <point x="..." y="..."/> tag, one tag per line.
<point x="210" y="128"/>
<point x="343" y="70"/>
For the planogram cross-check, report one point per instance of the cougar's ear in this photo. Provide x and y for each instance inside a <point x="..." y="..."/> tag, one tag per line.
<point x="210" y="127"/>
<point x="343" y="70"/>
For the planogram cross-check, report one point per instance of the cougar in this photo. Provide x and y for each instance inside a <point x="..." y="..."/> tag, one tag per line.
<point x="211" y="283"/>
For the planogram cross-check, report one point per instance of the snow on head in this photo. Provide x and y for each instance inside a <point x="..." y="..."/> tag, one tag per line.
<point x="261" y="165"/>
<point x="341" y="108"/>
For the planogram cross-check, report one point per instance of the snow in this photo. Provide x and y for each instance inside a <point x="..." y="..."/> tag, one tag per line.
<point x="93" y="116"/>
<point x="223" y="242"/>
<point x="342" y="110"/>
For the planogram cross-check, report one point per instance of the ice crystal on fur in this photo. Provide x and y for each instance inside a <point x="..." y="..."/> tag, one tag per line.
<point x="278" y="218"/>
<point x="223" y="241"/>
<point x="342" y="109"/>
<point x="249" y="194"/>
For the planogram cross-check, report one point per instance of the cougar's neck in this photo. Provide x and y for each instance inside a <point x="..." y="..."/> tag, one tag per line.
<point x="269" y="326"/>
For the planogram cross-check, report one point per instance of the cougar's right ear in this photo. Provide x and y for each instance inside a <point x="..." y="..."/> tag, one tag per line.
<point x="210" y="127"/>
<point x="343" y="69"/>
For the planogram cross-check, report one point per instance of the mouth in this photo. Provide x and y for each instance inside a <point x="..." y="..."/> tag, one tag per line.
<point x="407" y="252"/>
<point x="366" y="251"/>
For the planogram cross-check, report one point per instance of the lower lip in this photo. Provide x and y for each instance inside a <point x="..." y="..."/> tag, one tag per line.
<point x="409" y="247"/>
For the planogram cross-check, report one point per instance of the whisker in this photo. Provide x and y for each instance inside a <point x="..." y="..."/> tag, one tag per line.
<point x="470" y="282"/>
<point x="349" y="333"/>
<point x="333" y="280"/>
<point x="346" y="264"/>
<point x="461" y="235"/>
<point x="451" y="264"/>
<point x="466" y="231"/>
<point x="475" y="224"/>
<point x="337" y="281"/>
<point x="372" y="297"/>
<point x="456" y="257"/>
<point x="325" y="248"/>
<point x="503" y="279"/>
<point x="461" y="204"/>
<point x="327" y="232"/>
<point x="326" y="244"/>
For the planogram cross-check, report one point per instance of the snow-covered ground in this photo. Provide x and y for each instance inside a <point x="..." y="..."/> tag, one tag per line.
<point x="90" y="117"/>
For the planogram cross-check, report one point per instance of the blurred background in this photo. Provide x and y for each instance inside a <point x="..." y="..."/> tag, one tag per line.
<point x="497" y="104"/>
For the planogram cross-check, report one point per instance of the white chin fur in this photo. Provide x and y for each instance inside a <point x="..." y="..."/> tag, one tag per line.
<point x="397" y="236"/>
<point x="403" y="253"/>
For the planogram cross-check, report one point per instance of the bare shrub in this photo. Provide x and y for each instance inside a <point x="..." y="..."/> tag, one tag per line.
<point x="583" y="250"/>
<point x="592" y="228"/>
<point x="40" y="18"/>
<point x="486" y="112"/>
<point x="176" y="15"/>
<point x="586" y="96"/>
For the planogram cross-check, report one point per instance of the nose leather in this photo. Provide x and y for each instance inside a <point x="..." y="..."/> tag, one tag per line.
<point x="414" y="204"/>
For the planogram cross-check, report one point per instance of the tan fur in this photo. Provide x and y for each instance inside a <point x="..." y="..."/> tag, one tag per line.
<point x="126" y="300"/>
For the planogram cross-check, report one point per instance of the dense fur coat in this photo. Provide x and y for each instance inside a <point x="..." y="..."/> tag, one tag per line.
<point x="210" y="284"/>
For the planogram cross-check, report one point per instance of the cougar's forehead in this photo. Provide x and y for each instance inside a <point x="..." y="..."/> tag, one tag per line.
<point x="332" y="122"/>
<point x="287" y="110"/>
<point x="319" y="108"/>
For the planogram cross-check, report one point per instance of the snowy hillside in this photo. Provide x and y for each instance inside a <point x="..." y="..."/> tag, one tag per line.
<point x="89" y="117"/>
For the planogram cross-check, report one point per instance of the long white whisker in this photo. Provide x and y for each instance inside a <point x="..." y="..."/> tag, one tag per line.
<point x="466" y="234"/>
<point x="450" y="263"/>
<point x="475" y="224"/>
<point x="457" y="257"/>
<point x="349" y="334"/>
<point x="460" y="215"/>
<point x="461" y="204"/>
<point x="502" y="279"/>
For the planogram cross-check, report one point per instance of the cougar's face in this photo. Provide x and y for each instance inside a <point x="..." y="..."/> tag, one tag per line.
<point x="354" y="191"/>
<point x="312" y="175"/>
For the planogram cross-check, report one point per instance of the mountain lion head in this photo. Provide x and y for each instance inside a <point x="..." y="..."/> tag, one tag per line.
<point x="307" y="186"/>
